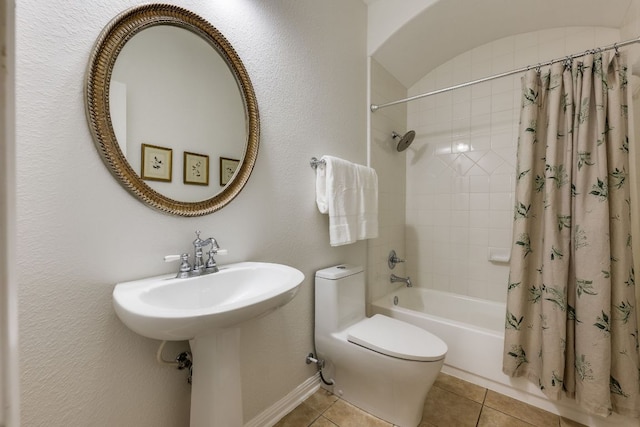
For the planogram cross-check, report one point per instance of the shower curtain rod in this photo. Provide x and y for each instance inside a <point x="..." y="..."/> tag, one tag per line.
<point x="375" y="107"/>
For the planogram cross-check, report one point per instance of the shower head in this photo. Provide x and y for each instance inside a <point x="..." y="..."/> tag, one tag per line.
<point x="405" y="140"/>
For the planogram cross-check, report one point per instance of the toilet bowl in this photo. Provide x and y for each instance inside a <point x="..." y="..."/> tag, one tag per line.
<point x="379" y="364"/>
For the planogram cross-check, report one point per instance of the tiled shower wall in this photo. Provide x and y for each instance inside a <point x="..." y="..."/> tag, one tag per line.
<point x="460" y="169"/>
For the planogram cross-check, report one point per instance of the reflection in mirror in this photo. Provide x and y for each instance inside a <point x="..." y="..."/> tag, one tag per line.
<point x="165" y="89"/>
<point x="170" y="88"/>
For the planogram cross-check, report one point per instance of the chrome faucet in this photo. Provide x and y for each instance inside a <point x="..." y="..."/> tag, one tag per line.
<point x="199" y="266"/>
<point x="395" y="278"/>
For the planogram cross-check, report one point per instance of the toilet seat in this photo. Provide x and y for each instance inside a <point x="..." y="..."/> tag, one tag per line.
<point x="397" y="339"/>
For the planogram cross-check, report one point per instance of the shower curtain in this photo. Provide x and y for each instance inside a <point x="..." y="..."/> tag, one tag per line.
<point x="571" y="316"/>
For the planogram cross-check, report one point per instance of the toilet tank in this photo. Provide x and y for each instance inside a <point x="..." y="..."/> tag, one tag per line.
<point x="339" y="300"/>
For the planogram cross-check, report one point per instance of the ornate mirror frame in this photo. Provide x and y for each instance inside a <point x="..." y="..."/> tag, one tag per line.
<point x="109" y="44"/>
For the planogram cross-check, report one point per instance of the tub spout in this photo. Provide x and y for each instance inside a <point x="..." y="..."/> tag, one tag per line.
<point x="406" y="280"/>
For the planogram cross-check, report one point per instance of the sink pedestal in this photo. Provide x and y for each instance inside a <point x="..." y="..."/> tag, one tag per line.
<point x="216" y="394"/>
<point x="208" y="310"/>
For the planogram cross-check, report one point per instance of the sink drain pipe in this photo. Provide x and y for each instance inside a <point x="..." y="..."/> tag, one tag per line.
<point x="320" y="364"/>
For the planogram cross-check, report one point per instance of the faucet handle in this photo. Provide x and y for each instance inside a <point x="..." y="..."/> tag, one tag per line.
<point x="172" y="258"/>
<point x="211" y="266"/>
<point x="221" y="251"/>
<point x="393" y="259"/>
<point x="184" y="264"/>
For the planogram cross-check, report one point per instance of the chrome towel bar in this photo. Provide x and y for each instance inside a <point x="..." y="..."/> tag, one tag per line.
<point x="315" y="162"/>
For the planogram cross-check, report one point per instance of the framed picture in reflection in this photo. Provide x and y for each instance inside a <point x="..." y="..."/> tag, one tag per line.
<point x="157" y="163"/>
<point x="227" y="169"/>
<point x="196" y="169"/>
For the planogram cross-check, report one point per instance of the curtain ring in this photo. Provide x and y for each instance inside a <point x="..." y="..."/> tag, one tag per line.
<point x="538" y="68"/>
<point x="568" y="62"/>
<point x="615" y="47"/>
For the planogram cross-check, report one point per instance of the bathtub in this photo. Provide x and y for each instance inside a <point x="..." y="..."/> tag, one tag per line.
<point x="472" y="328"/>
<point x="474" y="332"/>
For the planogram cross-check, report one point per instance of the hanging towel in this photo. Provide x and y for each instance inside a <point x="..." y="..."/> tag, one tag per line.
<point x="367" y="203"/>
<point x="348" y="193"/>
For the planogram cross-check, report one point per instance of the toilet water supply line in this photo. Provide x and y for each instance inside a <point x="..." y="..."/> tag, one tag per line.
<point x="320" y="364"/>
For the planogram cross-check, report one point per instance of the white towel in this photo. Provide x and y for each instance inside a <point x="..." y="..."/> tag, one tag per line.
<point x="349" y="194"/>
<point x="368" y="203"/>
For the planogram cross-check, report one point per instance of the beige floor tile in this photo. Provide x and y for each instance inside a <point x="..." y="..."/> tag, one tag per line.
<point x="450" y="403"/>
<point x="493" y="418"/>
<point x="461" y="387"/>
<point x="346" y="415"/>
<point x="566" y="422"/>
<point x="521" y="410"/>
<point x="321" y="400"/>
<point x="322" y="422"/>
<point x="446" y="409"/>
<point x="302" y="416"/>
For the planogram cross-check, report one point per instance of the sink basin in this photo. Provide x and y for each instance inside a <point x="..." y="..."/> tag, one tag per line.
<point x="167" y="308"/>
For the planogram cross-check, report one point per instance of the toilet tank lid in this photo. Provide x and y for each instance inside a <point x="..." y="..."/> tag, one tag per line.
<point x="339" y="271"/>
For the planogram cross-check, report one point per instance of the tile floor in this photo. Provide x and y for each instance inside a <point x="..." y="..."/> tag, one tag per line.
<point x="451" y="402"/>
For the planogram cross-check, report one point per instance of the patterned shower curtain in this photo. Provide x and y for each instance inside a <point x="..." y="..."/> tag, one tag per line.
<point x="571" y="316"/>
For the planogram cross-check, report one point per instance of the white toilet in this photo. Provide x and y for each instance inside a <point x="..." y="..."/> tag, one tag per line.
<point x="379" y="364"/>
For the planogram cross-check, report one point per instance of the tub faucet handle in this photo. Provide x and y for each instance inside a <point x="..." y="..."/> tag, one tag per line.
<point x="393" y="259"/>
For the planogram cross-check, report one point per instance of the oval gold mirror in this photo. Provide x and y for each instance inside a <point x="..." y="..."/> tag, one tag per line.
<point x="167" y="95"/>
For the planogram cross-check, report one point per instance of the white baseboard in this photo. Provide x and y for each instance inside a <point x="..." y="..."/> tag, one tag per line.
<point x="275" y="412"/>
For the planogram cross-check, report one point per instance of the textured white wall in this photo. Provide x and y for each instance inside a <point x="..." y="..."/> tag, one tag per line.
<point x="629" y="30"/>
<point x="80" y="233"/>
<point x="385" y="17"/>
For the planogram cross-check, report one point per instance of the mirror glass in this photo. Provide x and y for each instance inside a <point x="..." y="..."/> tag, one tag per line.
<point x="172" y="110"/>
<point x="171" y="89"/>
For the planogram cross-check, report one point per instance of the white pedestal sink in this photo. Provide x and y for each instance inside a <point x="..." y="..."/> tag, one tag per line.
<point x="207" y="311"/>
